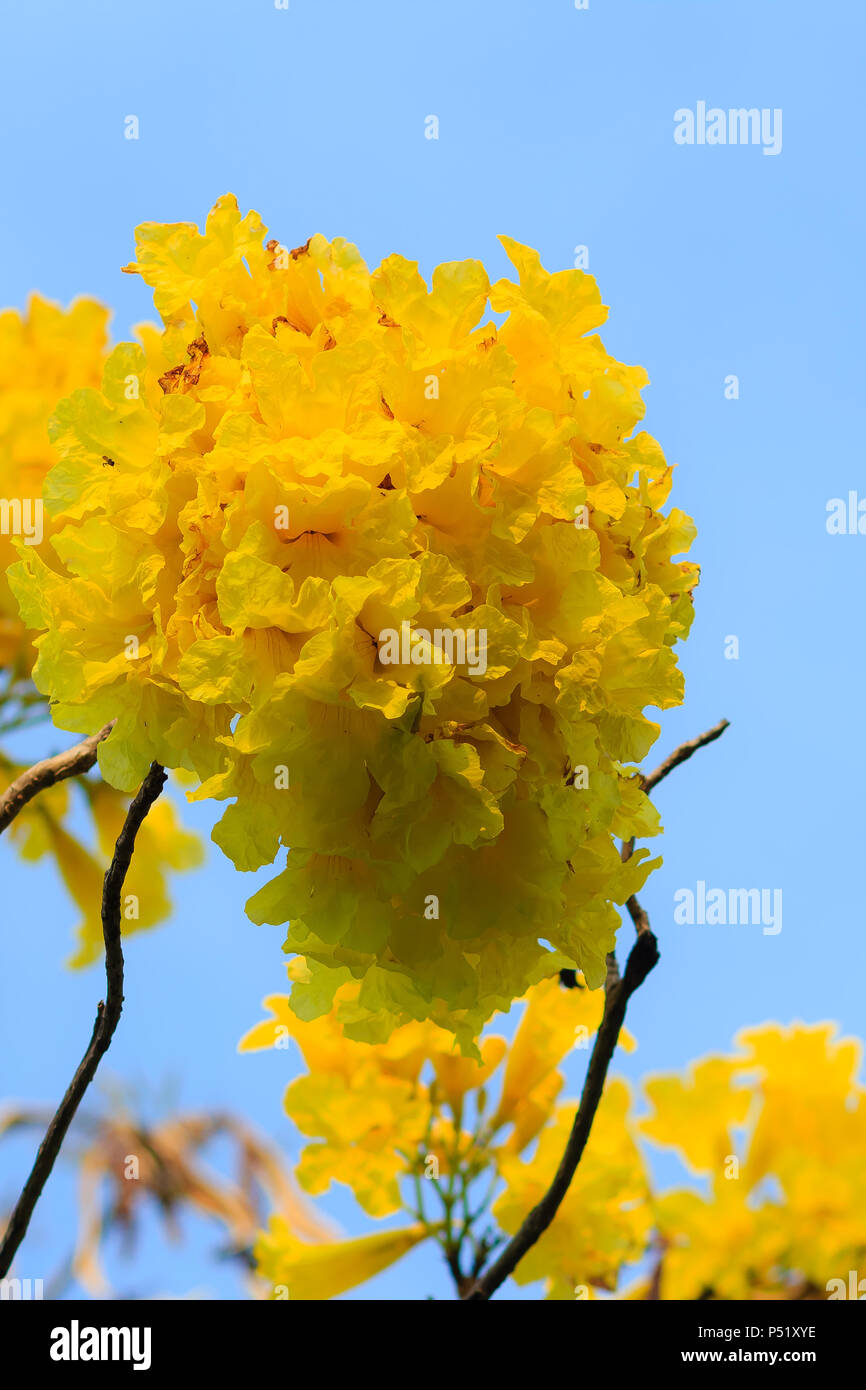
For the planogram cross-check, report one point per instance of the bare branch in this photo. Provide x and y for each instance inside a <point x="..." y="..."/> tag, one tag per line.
<point x="107" y="1014"/>
<point x="683" y="753"/>
<point x="638" y="915"/>
<point x="679" y="755"/>
<point x="44" y="774"/>
<point x="644" y="955"/>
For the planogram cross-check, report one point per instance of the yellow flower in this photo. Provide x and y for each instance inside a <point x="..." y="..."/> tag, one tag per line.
<point x="698" y="1112"/>
<point x="811" y="1102"/>
<point x="397" y="583"/>
<point x="43" y="356"/>
<point x="42" y="830"/>
<point x="362" y="1105"/>
<point x="305" y="1272"/>
<point x="720" y="1247"/>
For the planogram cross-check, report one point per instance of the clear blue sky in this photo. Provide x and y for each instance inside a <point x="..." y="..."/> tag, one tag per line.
<point x="556" y="127"/>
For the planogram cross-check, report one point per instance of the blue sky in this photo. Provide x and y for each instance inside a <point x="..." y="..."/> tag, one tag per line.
<point x="555" y="127"/>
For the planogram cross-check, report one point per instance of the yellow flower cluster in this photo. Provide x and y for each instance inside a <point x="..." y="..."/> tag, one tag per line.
<point x="45" y="354"/>
<point x="370" y="1112"/>
<point x="776" y="1127"/>
<point x="414" y="1110"/>
<point x="395" y="580"/>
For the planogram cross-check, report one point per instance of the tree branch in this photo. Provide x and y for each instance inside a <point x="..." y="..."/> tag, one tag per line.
<point x="44" y="774"/>
<point x="679" y="755"/>
<point x="683" y="753"/>
<point x="644" y="955"/>
<point x="638" y="915"/>
<point x="108" y="1012"/>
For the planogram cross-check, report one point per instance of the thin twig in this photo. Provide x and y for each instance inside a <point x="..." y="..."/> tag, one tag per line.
<point x="44" y="774"/>
<point x="644" y="955"/>
<point x="679" y="755"/>
<point x="107" y="1015"/>
<point x="683" y="753"/>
